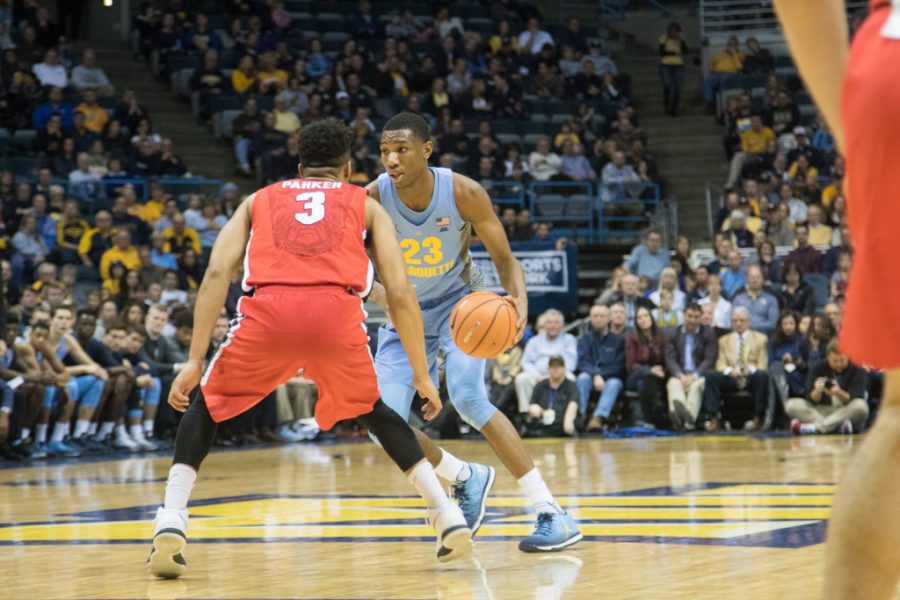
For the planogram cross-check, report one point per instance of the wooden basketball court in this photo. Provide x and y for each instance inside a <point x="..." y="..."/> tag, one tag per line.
<point x="686" y="517"/>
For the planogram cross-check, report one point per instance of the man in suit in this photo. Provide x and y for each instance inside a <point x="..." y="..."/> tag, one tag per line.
<point x="691" y="351"/>
<point x="741" y="365"/>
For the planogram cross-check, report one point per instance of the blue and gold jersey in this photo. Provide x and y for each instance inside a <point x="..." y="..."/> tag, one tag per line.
<point x="435" y="242"/>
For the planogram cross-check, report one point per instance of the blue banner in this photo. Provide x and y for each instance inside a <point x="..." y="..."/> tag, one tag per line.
<point x="551" y="276"/>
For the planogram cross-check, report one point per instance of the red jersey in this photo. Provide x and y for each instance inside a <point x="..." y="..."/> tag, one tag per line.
<point x="308" y="232"/>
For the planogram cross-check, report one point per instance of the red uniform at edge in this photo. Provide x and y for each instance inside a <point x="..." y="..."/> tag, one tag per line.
<point x="870" y="332"/>
<point x="306" y="266"/>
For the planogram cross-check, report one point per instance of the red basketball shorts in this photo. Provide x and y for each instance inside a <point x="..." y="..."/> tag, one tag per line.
<point x="282" y="329"/>
<point x="870" y="108"/>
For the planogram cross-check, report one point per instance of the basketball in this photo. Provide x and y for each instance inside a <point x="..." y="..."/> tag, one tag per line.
<point x="483" y="324"/>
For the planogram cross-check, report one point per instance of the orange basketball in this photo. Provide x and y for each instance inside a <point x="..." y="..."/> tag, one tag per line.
<point x="483" y="324"/>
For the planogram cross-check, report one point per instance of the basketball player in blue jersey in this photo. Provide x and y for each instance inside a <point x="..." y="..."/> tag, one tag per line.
<point x="434" y="211"/>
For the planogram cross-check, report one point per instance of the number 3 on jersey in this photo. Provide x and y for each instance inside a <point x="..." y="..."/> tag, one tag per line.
<point x="412" y="248"/>
<point x="313" y="207"/>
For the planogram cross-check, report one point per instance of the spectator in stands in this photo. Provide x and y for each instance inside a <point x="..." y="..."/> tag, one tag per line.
<point x="691" y="351"/>
<point x="645" y="356"/>
<point x="243" y="78"/>
<point x="270" y="79"/>
<point x="88" y="76"/>
<point x="208" y="82"/>
<point x="51" y="73"/>
<point x="720" y="306"/>
<point x="179" y="237"/>
<point x="149" y="272"/>
<point x="723" y="68"/>
<point x="784" y="115"/>
<point x="122" y="252"/>
<point x="550" y="342"/>
<point x="762" y="306"/>
<point x="97" y="240"/>
<point x="244" y="128"/>
<point x="796" y="295"/>
<point x="830" y="260"/>
<point x="776" y="230"/>
<point x="53" y="106"/>
<point x="834" y="397"/>
<point x="742" y="362"/>
<point x="672" y="49"/>
<point x="667" y="317"/>
<point x="543" y="164"/>
<point x="618" y="179"/>
<point x="819" y="233"/>
<point x="84" y="184"/>
<point x="547" y="83"/>
<point x="757" y="60"/>
<point x="734" y="276"/>
<point x="285" y="121"/>
<point x="738" y="233"/>
<point x="95" y="116"/>
<point x="28" y="246"/>
<point x="701" y="285"/>
<point x="788" y="358"/>
<point x="533" y="39"/>
<point x="70" y="230"/>
<point x="807" y="258"/>
<point x="771" y="266"/>
<point x="171" y="294"/>
<point x="648" y="258"/>
<point x="575" y="165"/>
<point x="840" y="277"/>
<point x="754" y="144"/>
<point x="554" y="402"/>
<point x="668" y="280"/>
<point x="601" y="366"/>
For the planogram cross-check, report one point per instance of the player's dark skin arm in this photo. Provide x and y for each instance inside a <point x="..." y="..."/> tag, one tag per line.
<point x="475" y="206"/>
<point x="226" y="257"/>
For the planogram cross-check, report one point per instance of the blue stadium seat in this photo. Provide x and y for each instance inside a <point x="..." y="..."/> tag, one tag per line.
<point x="24" y="140"/>
<point x="821" y="288"/>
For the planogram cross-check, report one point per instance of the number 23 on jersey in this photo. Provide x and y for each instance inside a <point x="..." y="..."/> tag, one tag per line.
<point x="429" y="250"/>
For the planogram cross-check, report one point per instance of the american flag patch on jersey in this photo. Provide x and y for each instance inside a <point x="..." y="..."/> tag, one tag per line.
<point x="442" y="222"/>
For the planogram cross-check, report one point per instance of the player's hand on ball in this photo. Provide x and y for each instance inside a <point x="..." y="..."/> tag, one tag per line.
<point x="185" y="382"/>
<point x="429" y="393"/>
<point x="521" y="306"/>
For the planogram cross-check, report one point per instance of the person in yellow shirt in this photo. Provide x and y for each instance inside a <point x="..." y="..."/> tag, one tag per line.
<point x="179" y="237"/>
<point x="820" y="234"/>
<point x="505" y="42"/>
<point x="566" y="134"/>
<point x="69" y="231"/>
<point x="95" y="116"/>
<point x="672" y="49"/>
<point x="122" y="251"/>
<point x="272" y="80"/>
<point x="723" y="67"/>
<point x="152" y="210"/>
<point x="753" y="146"/>
<point x="285" y="120"/>
<point x="243" y="79"/>
<point x="96" y="240"/>
<point x="801" y="169"/>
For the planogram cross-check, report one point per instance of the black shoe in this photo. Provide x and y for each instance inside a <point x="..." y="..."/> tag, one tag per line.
<point x="91" y="446"/>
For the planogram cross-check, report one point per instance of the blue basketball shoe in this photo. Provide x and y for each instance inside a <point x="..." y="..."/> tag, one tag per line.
<point x="553" y="532"/>
<point x="471" y="495"/>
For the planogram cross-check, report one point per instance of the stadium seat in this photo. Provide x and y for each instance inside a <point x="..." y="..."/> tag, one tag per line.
<point x="503" y="126"/>
<point x="821" y="288"/>
<point x="509" y="138"/>
<point x="5" y="138"/>
<point x="532" y="138"/>
<point x="549" y="205"/>
<point x="24" y="139"/>
<point x="222" y="125"/>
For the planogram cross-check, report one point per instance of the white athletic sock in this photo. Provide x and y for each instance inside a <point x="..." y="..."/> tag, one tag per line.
<point x="92" y="428"/>
<point x="106" y="428"/>
<point x="40" y="433"/>
<point x="136" y="432"/>
<point x="451" y="468"/>
<point x="120" y="430"/>
<point x="538" y="494"/>
<point x="26" y="433"/>
<point x="81" y="427"/>
<point x="148" y="428"/>
<point x="60" y="431"/>
<point x="426" y="483"/>
<point x="179" y="486"/>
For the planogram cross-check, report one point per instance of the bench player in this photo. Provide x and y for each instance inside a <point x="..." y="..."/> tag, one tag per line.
<point x="303" y="245"/>
<point x="434" y="211"/>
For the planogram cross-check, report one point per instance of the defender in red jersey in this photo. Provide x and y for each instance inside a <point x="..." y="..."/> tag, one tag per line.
<point x="304" y="246"/>
<point x="858" y="91"/>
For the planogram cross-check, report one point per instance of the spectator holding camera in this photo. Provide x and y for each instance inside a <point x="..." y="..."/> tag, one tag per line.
<point x="834" y="398"/>
<point x="554" y="401"/>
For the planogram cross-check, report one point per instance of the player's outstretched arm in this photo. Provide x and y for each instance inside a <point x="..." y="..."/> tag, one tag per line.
<point x="475" y="206"/>
<point x="226" y="257"/>
<point x="405" y="313"/>
<point x="816" y="32"/>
